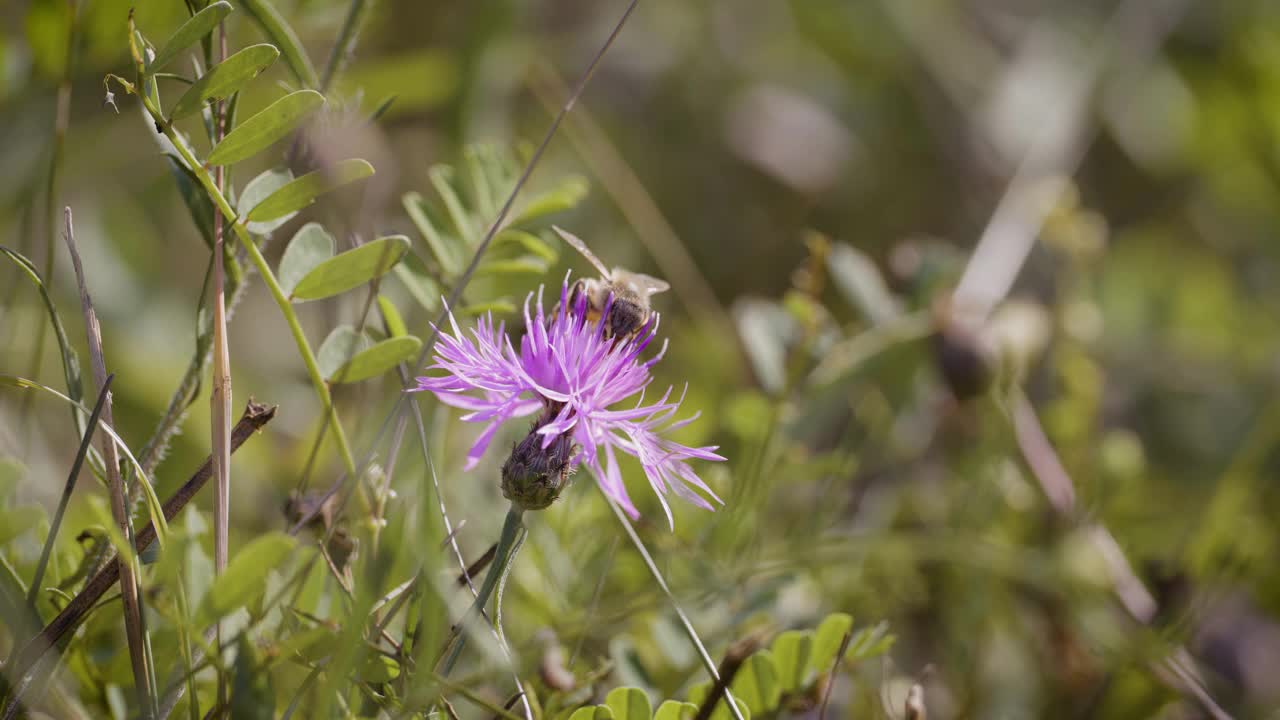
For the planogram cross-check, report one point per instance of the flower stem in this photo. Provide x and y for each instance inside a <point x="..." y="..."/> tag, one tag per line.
<point x="508" y="544"/>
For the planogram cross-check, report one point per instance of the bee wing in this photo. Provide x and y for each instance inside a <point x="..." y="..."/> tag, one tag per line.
<point x="647" y="284"/>
<point x="581" y="247"/>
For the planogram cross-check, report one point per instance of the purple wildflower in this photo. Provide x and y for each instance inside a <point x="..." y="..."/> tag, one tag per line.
<point x="570" y="371"/>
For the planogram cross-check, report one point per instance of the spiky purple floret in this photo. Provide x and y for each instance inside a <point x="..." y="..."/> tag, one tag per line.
<point x="569" y="369"/>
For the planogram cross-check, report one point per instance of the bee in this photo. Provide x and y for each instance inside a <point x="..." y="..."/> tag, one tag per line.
<point x="631" y="291"/>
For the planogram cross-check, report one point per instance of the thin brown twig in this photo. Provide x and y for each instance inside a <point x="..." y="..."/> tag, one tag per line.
<point x="733" y="659"/>
<point x="70" y="618"/>
<point x="135" y="629"/>
<point x="831" y="681"/>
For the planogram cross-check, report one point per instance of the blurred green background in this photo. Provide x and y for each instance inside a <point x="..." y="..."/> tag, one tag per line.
<point x="812" y="177"/>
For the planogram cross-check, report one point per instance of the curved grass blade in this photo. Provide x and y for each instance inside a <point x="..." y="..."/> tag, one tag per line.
<point x="190" y="32"/>
<point x="85" y="442"/>
<point x="269" y="125"/>
<point x="225" y="78"/>
<point x="282" y="36"/>
<point x="154" y="508"/>
<point x="304" y="190"/>
<point x="352" y="268"/>
<point x="70" y="360"/>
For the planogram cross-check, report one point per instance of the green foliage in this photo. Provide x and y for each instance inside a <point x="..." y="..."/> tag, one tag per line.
<point x="1139" y="337"/>
<point x="301" y="192"/>
<point x="191" y="31"/>
<point x="352" y="268"/>
<point x="275" y="121"/>
<point x="310" y="246"/>
<point x="222" y="80"/>
<point x="245" y="576"/>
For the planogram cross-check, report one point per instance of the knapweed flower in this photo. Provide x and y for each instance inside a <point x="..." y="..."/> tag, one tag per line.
<point x="582" y="386"/>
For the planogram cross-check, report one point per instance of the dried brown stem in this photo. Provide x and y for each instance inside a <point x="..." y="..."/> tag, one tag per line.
<point x="135" y="630"/>
<point x="255" y="416"/>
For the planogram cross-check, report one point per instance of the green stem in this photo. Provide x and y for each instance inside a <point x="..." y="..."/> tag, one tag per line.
<point x="504" y="558"/>
<point x="268" y="277"/>
<point x="356" y="15"/>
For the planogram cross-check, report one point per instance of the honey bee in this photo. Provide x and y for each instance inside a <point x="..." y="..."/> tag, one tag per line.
<point x="631" y="291"/>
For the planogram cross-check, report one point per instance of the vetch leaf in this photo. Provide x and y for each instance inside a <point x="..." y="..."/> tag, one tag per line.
<point x="246" y="574"/>
<point x="756" y="683"/>
<point x="827" y="640"/>
<point x="376" y="359"/>
<point x="310" y="246"/>
<point x="530" y="242"/>
<point x="190" y="32"/>
<point x="391" y="318"/>
<point x="791" y="652"/>
<point x="282" y="36"/>
<point x="563" y="197"/>
<point x="343" y="344"/>
<point x="592" y="712"/>
<point x="257" y="190"/>
<point x="225" y="78"/>
<point x="304" y="190"/>
<point x="352" y="268"/>
<point x="444" y="251"/>
<point x="269" y="125"/>
<point x="675" y="710"/>
<point x="629" y="703"/>
<point x="421" y="287"/>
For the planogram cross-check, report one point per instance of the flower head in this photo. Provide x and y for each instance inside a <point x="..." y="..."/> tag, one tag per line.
<point x="577" y="379"/>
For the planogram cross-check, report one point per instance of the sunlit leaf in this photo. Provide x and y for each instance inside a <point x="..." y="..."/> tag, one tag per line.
<point x="282" y="36"/>
<point x="190" y="32"/>
<point x="257" y="190"/>
<point x="304" y="190"/>
<point x="827" y="640"/>
<point x="530" y="242"/>
<point x="629" y="703"/>
<point x="756" y="683"/>
<point x="310" y="246"/>
<point x="269" y="125"/>
<point x="224" y="79"/>
<point x="376" y="359"/>
<point x="352" y="268"/>
<point x="592" y="712"/>
<point x="565" y="196"/>
<point x="791" y="652"/>
<point x="246" y="574"/>
<point x="675" y="710"/>
<point x="391" y="317"/>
